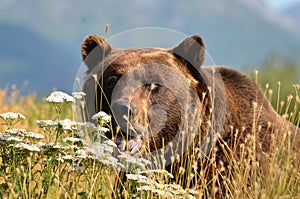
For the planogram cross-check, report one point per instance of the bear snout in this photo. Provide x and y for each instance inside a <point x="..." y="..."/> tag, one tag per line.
<point x="122" y="112"/>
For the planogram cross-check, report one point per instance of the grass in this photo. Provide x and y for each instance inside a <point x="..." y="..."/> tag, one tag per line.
<point x="56" y="167"/>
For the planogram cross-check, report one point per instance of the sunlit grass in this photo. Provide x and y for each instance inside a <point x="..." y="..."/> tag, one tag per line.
<point x="61" y="164"/>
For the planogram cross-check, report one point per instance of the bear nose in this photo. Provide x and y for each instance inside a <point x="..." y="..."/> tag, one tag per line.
<point x="122" y="112"/>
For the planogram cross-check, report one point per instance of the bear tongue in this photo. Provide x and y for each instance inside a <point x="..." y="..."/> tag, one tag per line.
<point x="133" y="145"/>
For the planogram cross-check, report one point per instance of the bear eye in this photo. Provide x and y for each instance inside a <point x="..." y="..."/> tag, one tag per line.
<point x="153" y="87"/>
<point x="112" y="81"/>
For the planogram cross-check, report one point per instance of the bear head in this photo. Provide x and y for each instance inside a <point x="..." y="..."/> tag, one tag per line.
<point x="157" y="97"/>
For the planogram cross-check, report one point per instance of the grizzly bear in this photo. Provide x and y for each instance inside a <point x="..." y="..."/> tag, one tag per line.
<point x="164" y="103"/>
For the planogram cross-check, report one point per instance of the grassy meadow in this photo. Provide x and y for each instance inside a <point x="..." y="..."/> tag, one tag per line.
<point x="43" y="155"/>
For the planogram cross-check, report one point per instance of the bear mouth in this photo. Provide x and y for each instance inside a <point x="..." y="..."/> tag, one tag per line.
<point x="129" y="144"/>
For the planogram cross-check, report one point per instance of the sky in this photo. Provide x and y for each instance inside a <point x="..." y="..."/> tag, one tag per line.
<point x="280" y="4"/>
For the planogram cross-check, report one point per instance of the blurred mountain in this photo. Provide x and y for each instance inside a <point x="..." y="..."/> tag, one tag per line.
<point x="40" y="40"/>
<point x="31" y="62"/>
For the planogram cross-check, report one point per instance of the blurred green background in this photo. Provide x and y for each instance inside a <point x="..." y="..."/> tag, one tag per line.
<point x="40" y="41"/>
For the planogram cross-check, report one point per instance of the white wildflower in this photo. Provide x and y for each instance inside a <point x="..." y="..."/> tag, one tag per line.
<point x="85" y="127"/>
<point x="108" y="148"/>
<point x="145" y="162"/>
<point x="72" y="140"/>
<point x="145" y="188"/>
<point x="136" y="177"/>
<point x="104" y="129"/>
<point x="27" y="147"/>
<point x="160" y="192"/>
<point x="110" y="143"/>
<point x="81" y="153"/>
<point x="109" y="161"/>
<point x="67" y="124"/>
<point x="12" y="131"/>
<point x="97" y="149"/>
<point x="47" y="123"/>
<point x="78" y="95"/>
<point x="7" y="137"/>
<point x="56" y="146"/>
<point x="40" y="145"/>
<point x="59" y="97"/>
<point x="60" y="160"/>
<point x="134" y="161"/>
<point x="67" y="157"/>
<point x="15" y="131"/>
<point x="157" y="171"/>
<point x="165" y="190"/>
<point x="34" y="135"/>
<point x="11" y="115"/>
<point x="102" y="116"/>
<point x="86" y="124"/>
<point x="43" y="145"/>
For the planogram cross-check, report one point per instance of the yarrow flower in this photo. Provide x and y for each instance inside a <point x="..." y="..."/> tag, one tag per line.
<point x="81" y="153"/>
<point x="78" y="95"/>
<point x="24" y="133"/>
<point x="67" y="124"/>
<point x="15" y="131"/>
<point x="12" y="116"/>
<point x="102" y="116"/>
<point x="104" y="129"/>
<point x="67" y="157"/>
<point x="27" y="147"/>
<point x="72" y="140"/>
<point x="59" y="97"/>
<point x="110" y="143"/>
<point x="136" y="177"/>
<point x="159" y="171"/>
<point x="34" y="135"/>
<point x="166" y="190"/>
<point x="47" y="123"/>
<point x="8" y="138"/>
<point x="134" y="162"/>
<point x="86" y="124"/>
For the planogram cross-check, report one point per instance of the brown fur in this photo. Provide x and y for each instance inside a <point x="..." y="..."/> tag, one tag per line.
<point x="247" y="109"/>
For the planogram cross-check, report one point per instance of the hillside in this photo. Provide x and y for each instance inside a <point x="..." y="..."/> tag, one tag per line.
<point x="40" y="41"/>
<point x="31" y="62"/>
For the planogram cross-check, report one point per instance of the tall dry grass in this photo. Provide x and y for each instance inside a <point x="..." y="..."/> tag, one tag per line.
<point x="42" y="175"/>
<point x="30" y="106"/>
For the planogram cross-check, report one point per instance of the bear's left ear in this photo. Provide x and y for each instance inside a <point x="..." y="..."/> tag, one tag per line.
<point x="93" y="50"/>
<point x="192" y="49"/>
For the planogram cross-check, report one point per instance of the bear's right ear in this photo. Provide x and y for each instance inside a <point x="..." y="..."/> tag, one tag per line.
<point x="93" y="50"/>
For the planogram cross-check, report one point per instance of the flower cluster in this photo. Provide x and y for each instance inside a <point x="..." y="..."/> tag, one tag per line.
<point x="12" y="116"/>
<point x="21" y="139"/>
<point x="59" y="97"/>
<point x="75" y="144"/>
<point x="78" y="95"/>
<point x="101" y="118"/>
<point x="150" y="184"/>
<point x="72" y="140"/>
<point x="28" y="147"/>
